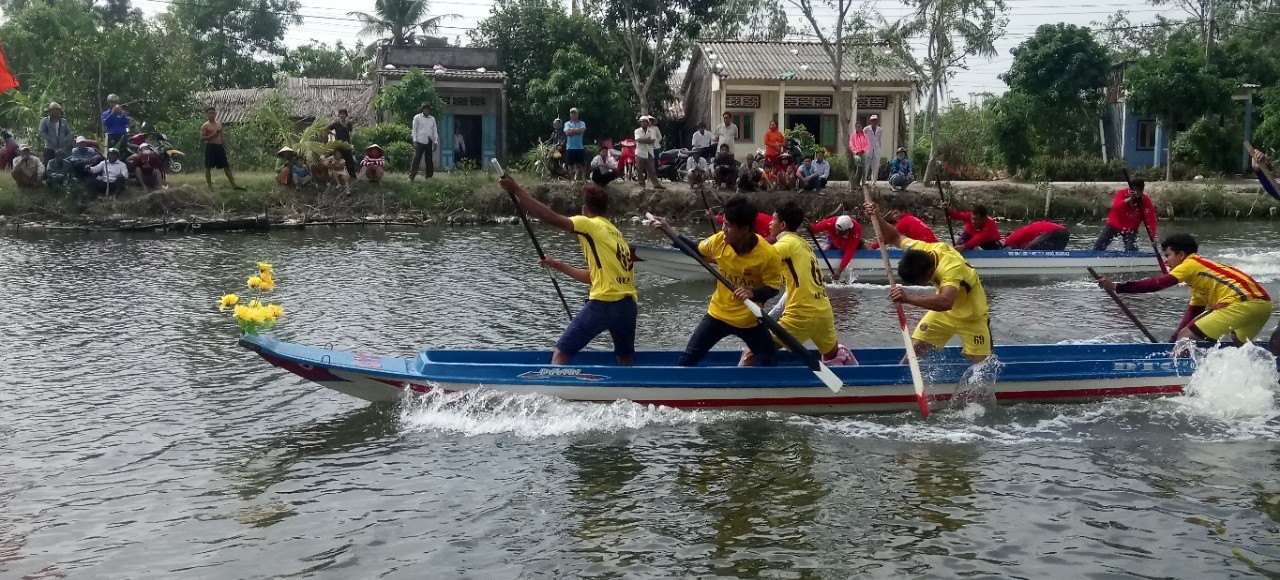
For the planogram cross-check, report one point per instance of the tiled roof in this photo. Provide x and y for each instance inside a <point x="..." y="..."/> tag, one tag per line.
<point x="310" y="98"/>
<point x="768" y="61"/>
<point x="450" y="74"/>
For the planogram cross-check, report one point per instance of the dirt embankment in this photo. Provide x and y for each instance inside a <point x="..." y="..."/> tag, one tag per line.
<point x="479" y="200"/>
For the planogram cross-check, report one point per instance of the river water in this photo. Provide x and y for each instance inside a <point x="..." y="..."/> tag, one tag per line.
<point x="140" y="442"/>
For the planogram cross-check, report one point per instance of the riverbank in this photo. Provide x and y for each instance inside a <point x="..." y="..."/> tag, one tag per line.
<point x="463" y="198"/>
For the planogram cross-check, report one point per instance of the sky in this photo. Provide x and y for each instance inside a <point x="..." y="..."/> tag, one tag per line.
<point x="327" y="21"/>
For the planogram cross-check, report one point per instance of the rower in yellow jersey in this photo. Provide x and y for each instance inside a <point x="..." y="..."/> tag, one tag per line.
<point x="1225" y="302"/>
<point x="806" y="309"/>
<point x="958" y="307"/>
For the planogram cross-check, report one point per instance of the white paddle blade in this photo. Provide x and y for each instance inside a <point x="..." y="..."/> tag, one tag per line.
<point x="497" y="166"/>
<point x="754" y="308"/>
<point x="917" y="379"/>
<point x="828" y="377"/>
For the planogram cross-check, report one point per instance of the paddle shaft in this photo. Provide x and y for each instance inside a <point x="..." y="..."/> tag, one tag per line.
<point x="533" y="237"/>
<point x="822" y="253"/>
<point x="711" y="219"/>
<point x="946" y="207"/>
<point x="1164" y="268"/>
<point x="917" y="378"/>
<point x="1124" y="308"/>
<point x="794" y="345"/>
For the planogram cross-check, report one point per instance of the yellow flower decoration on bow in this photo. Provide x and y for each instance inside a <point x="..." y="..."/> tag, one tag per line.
<point x="228" y="301"/>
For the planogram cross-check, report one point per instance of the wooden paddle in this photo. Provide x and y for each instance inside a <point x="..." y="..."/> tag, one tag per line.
<point x="917" y="379"/>
<point x="818" y="246"/>
<point x="823" y="373"/>
<point x="946" y="207"/>
<point x="1124" y="308"/>
<point x="1164" y="268"/>
<point x="528" y="228"/>
<point x="1248" y="147"/>
<point x="711" y="219"/>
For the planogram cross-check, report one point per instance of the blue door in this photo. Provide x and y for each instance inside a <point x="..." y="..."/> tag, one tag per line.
<point x="488" y="138"/>
<point x="446" y="141"/>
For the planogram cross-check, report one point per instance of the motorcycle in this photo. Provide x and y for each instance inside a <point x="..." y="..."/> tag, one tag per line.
<point x="172" y="157"/>
<point x="673" y="164"/>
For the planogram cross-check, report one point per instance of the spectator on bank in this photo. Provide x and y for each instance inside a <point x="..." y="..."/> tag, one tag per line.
<point x="824" y="169"/>
<point x="750" y="175"/>
<point x="284" y="170"/>
<point x="575" y="152"/>
<point x="58" y="172"/>
<point x="858" y="145"/>
<point x="704" y="141"/>
<point x="83" y="157"/>
<point x="647" y="137"/>
<point x="9" y="152"/>
<point x="214" y="137"/>
<point x="115" y="122"/>
<point x="55" y="132"/>
<point x="900" y="173"/>
<point x="697" y="169"/>
<point x="726" y="168"/>
<point x="784" y="174"/>
<point x="426" y="138"/>
<point x="875" y="142"/>
<point x="807" y="175"/>
<point x="148" y="167"/>
<point x="604" y="166"/>
<point x="373" y="166"/>
<point x="27" y="169"/>
<point x="300" y="172"/>
<point x="774" y="141"/>
<point x="341" y="129"/>
<point x="459" y="145"/>
<point x="726" y="134"/>
<point x="112" y="174"/>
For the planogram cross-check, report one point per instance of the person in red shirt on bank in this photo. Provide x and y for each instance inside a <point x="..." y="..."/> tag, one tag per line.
<point x="1042" y="235"/>
<point x="1130" y="208"/>
<point x="762" y="225"/>
<point x="843" y="233"/>
<point x="980" y="230"/>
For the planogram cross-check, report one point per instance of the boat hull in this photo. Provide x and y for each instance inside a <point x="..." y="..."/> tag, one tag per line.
<point x="868" y="266"/>
<point x="1031" y="373"/>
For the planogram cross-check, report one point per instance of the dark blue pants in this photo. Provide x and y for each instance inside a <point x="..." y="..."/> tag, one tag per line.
<point x="618" y="318"/>
<point x="711" y="331"/>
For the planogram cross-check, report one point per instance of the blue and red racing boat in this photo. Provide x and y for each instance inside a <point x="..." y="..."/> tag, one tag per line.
<point x="1052" y="373"/>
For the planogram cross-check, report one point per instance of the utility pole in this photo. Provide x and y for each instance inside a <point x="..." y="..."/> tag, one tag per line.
<point x="1210" y="28"/>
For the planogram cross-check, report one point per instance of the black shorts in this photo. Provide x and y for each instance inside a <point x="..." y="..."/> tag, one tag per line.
<point x="1054" y="241"/>
<point x="215" y="156"/>
<point x="575" y="156"/>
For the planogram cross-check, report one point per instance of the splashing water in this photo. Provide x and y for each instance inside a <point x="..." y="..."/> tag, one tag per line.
<point x="484" y="412"/>
<point x="1263" y="266"/>
<point x="1234" y="383"/>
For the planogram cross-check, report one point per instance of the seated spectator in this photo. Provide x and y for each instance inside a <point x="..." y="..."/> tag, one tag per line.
<point x="148" y="167"/>
<point x="27" y="169"/>
<point x="604" y="166"/>
<point x="284" y="171"/>
<point x="900" y="174"/>
<point x="9" y="152"/>
<point x="824" y="170"/>
<point x="112" y="174"/>
<point x="697" y="168"/>
<point x="83" y="157"/>
<point x="750" y="175"/>
<point x="300" y="171"/>
<point x="704" y="141"/>
<point x="807" y="175"/>
<point x="336" y="164"/>
<point x="726" y="168"/>
<point x="373" y="166"/>
<point x="784" y="174"/>
<point x="59" y="171"/>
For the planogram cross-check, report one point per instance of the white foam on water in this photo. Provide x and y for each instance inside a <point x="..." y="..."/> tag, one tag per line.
<point x="1108" y="338"/>
<point x="1234" y="383"/>
<point x="485" y="412"/>
<point x="1263" y="266"/>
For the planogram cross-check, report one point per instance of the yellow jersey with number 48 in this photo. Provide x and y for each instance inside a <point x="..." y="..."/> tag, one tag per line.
<point x="608" y="258"/>
<point x="756" y="269"/>
<point x="806" y="291"/>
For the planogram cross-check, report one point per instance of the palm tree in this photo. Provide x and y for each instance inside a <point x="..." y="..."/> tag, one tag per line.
<point x="397" y="22"/>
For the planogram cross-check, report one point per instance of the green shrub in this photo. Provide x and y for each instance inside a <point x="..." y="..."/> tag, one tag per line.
<point x="399" y="155"/>
<point x="1210" y="145"/>
<point x="1181" y="172"/>
<point x="384" y="134"/>
<point x="1074" y="168"/>
<point x="839" y="167"/>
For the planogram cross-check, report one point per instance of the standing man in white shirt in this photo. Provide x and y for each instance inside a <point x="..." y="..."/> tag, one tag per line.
<point x="704" y="141"/>
<point x="647" y="136"/>
<point x="874" y="134"/>
<point x="426" y="138"/>
<point x="727" y="134"/>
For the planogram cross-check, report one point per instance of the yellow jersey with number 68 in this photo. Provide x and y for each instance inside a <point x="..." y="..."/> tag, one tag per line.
<point x="951" y="269"/>
<point x="806" y="291"/>
<point x="754" y="270"/>
<point x="608" y="258"/>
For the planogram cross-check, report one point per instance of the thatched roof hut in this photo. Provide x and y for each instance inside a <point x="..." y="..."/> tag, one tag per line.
<point x="311" y="99"/>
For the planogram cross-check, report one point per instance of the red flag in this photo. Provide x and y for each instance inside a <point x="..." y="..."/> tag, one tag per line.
<point x="7" y="80"/>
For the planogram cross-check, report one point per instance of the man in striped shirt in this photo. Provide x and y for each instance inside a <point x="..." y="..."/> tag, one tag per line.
<point x="1225" y="302"/>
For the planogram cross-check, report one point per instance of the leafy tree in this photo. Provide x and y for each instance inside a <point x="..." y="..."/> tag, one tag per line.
<point x="749" y="20"/>
<point x="234" y="40"/>
<point x="654" y="36"/>
<point x="1062" y="65"/>
<point x="1176" y="87"/>
<point x="1127" y="41"/>
<point x="404" y="100"/>
<point x="321" y="61"/>
<point x="831" y="35"/>
<point x="398" y="22"/>
<point x="954" y="31"/>
<point x="1011" y="130"/>
<point x="579" y="81"/>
